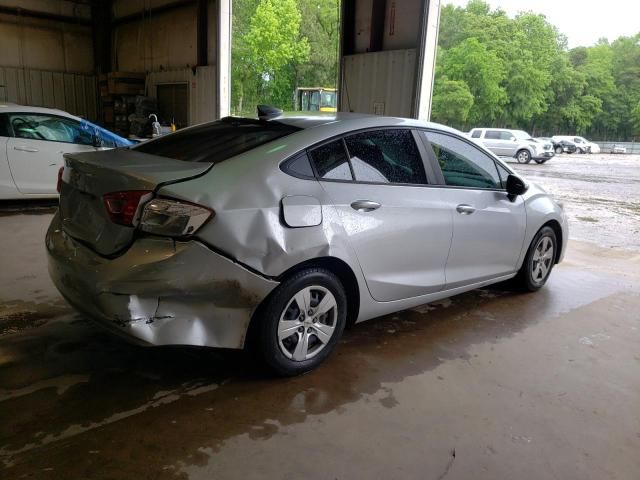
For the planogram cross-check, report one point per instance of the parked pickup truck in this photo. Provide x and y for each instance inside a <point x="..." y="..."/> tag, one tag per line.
<point x="517" y="144"/>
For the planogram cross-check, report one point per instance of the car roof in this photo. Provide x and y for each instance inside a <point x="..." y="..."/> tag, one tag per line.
<point x="7" y="107"/>
<point x="353" y="121"/>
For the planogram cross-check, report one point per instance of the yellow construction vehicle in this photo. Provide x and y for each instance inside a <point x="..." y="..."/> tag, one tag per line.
<point x="316" y="99"/>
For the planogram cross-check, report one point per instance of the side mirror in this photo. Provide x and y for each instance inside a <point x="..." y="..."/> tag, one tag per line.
<point x="515" y="186"/>
<point x="513" y="139"/>
<point x="97" y="141"/>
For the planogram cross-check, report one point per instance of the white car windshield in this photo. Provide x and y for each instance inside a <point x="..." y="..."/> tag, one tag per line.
<point x="522" y="135"/>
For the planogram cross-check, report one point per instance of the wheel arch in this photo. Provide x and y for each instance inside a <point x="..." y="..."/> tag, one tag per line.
<point x="344" y="273"/>
<point x="557" y="229"/>
<point x="333" y="264"/>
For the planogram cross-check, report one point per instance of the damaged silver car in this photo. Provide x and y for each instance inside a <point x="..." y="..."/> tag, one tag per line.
<point x="276" y="233"/>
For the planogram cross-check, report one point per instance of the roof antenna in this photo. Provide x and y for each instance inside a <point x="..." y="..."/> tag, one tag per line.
<point x="267" y="112"/>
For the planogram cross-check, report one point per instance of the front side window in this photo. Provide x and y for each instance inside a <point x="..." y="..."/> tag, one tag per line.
<point x="49" y="128"/>
<point x="492" y="135"/>
<point x="506" y="136"/>
<point x="463" y="165"/>
<point x="331" y="162"/>
<point x="386" y="156"/>
<point x="216" y="141"/>
<point x="476" y="134"/>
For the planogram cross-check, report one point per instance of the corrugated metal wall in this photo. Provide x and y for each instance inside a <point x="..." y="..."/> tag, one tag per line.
<point x="381" y="83"/>
<point x="74" y="93"/>
<point x="201" y="87"/>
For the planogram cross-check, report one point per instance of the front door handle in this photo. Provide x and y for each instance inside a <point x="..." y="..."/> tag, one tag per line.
<point x="26" y="149"/>
<point x="465" y="209"/>
<point x="365" y="205"/>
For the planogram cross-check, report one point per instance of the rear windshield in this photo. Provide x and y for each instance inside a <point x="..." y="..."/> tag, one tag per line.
<point x="216" y="141"/>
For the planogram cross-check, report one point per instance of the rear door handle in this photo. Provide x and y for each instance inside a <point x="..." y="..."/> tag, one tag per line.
<point x="365" y="205"/>
<point x="26" y="149"/>
<point x="465" y="209"/>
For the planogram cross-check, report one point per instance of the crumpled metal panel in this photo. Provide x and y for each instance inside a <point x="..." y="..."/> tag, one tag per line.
<point x="160" y="291"/>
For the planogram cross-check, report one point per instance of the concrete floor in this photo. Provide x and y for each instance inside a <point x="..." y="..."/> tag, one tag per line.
<point x="487" y="385"/>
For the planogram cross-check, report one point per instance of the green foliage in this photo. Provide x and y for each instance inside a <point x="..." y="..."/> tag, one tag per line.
<point x="279" y="45"/>
<point x="521" y="74"/>
<point x="481" y="72"/>
<point x="452" y="101"/>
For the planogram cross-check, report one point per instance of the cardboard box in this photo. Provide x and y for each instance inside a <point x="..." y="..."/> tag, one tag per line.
<point x="125" y="83"/>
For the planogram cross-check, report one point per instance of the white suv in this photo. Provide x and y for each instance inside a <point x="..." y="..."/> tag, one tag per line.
<point x="517" y="144"/>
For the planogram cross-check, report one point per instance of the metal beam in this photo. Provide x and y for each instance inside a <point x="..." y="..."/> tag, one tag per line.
<point x="378" y="10"/>
<point x="202" y="34"/>
<point x="23" y="12"/>
<point x="169" y="7"/>
<point x="223" y="58"/>
<point x="101" y="16"/>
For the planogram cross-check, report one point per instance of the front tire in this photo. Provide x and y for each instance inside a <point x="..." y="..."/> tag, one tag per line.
<point x="539" y="261"/>
<point x="540" y="161"/>
<point x="301" y="322"/>
<point x="559" y="150"/>
<point x="523" y="156"/>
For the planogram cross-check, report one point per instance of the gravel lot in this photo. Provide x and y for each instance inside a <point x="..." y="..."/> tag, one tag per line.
<point x="601" y="194"/>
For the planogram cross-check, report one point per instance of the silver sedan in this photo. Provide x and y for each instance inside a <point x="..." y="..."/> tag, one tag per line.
<point x="274" y="234"/>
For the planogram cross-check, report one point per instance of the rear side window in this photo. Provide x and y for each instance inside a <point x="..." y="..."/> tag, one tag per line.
<point x="463" y="165"/>
<point x="217" y="141"/>
<point x="331" y="162"/>
<point x="299" y="166"/>
<point x="4" y="126"/>
<point x="386" y="156"/>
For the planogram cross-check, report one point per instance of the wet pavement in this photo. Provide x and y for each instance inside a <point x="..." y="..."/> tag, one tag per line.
<point x="490" y="384"/>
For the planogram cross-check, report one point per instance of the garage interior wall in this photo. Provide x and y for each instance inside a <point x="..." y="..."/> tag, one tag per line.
<point x="52" y="50"/>
<point x="46" y="55"/>
<point x="388" y="50"/>
<point x="160" y="37"/>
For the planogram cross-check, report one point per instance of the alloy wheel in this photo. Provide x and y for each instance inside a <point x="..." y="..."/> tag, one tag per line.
<point x="307" y="323"/>
<point x="542" y="260"/>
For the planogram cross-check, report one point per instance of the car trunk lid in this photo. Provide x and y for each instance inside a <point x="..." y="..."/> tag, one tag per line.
<point x="89" y="176"/>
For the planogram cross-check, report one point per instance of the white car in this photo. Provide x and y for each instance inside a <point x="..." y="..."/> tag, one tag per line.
<point x="32" y="142"/>
<point x="582" y="144"/>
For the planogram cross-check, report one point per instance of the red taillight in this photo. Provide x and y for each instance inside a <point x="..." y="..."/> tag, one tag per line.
<point x="122" y="206"/>
<point x="59" y="184"/>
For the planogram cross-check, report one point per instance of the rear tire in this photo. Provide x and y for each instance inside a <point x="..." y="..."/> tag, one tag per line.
<point x="539" y="261"/>
<point x="523" y="156"/>
<point x="292" y="339"/>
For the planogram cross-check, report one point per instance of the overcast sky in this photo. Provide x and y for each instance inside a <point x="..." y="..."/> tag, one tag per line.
<point x="582" y="21"/>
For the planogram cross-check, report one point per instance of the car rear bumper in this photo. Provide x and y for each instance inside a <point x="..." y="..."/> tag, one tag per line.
<point x="161" y="291"/>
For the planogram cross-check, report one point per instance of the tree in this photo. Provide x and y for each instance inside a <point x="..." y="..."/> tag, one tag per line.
<point x="482" y="71"/>
<point x="452" y="102"/>
<point x="266" y="53"/>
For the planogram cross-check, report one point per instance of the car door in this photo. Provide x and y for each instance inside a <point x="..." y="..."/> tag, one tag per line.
<point x="36" y="147"/>
<point x="493" y="141"/>
<point x="7" y="187"/>
<point x="393" y="219"/>
<point x="488" y="226"/>
<point x="509" y="144"/>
